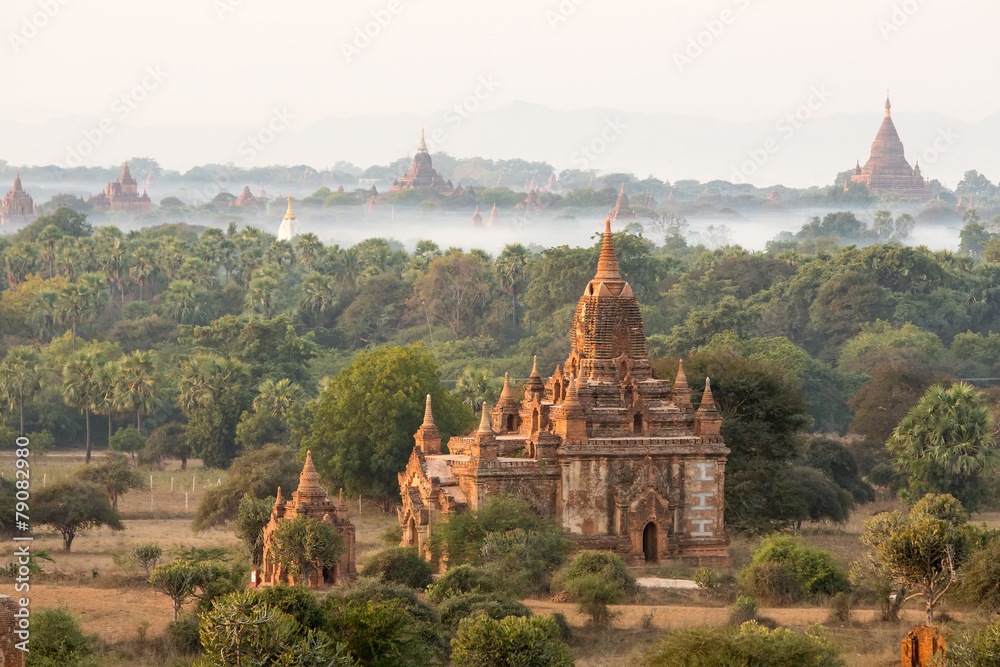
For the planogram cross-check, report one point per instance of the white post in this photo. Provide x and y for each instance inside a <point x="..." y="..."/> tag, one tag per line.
<point x="171" y="484"/>
<point x="185" y="502"/>
<point x="44" y="479"/>
<point x="359" y="503"/>
<point x="151" y="492"/>
<point x="193" y="477"/>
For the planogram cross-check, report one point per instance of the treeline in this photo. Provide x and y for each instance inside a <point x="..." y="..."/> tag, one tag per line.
<point x="221" y="341"/>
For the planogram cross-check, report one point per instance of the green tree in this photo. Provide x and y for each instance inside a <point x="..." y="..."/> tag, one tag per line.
<point x="596" y="579"/>
<point x="58" y="641"/>
<point x="303" y="547"/>
<point x="114" y="475"/>
<point x="252" y="516"/>
<point x="381" y="633"/>
<point x="20" y="378"/>
<point x="80" y="385"/>
<point x="70" y="505"/>
<point x="510" y="269"/>
<point x="402" y="565"/>
<point x="179" y="580"/>
<point x="483" y="642"/>
<point x="749" y="644"/>
<point x="137" y="384"/>
<point x="259" y="472"/>
<point x="945" y="444"/>
<point x="185" y="303"/>
<point x="168" y="441"/>
<point x="362" y="426"/>
<point x="127" y="440"/>
<point x="922" y="551"/>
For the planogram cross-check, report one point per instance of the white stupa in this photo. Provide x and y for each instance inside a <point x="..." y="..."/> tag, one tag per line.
<point x="289" y="228"/>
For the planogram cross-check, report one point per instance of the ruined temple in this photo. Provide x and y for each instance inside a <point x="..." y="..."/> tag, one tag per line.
<point x="887" y="170"/>
<point x="17" y="205"/>
<point x="622" y="209"/>
<point x="248" y="201"/>
<point x="422" y="173"/>
<point x="310" y="500"/>
<point x="122" y="196"/>
<point x="618" y="457"/>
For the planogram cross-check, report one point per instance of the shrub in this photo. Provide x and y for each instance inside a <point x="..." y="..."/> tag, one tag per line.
<point x="707" y="579"/>
<point x="381" y="634"/>
<point x="524" y="560"/>
<point x="471" y="605"/>
<point x="184" y="632"/>
<point x="596" y="579"/>
<point x="424" y="616"/>
<point x="146" y="555"/>
<point x="975" y="648"/>
<point x="775" y="583"/>
<point x="840" y="608"/>
<point x="299" y="603"/>
<point x="402" y="565"/>
<point x="463" y="579"/>
<point x="565" y="631"/>
<point x="814" y="571"/>
<point x="749" y="644"/>
<point x="981" y="584"/>
<point x="744" y="610"/>
<point x="57" y="641"/>
<point x="486" y="642"/>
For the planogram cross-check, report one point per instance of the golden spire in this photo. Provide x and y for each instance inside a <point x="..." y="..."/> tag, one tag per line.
<point x="288" y="214"/>
<point x="607" y="265"/>
<point x="423" y="144"/>
<point x="428" y="415"/>
<point x="484" y="423"/>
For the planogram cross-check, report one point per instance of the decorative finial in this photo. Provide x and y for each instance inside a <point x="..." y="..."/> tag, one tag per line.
<point x="707" y="400"/>
<point x="888" y="105"/>
<point x="681" y="379"/>
<point x="288" y="214"/>
<point x="607" y="265"/>
<point x="507" y="393"/>
<point x="277" y="499"/>
<point x="534" y="368"/>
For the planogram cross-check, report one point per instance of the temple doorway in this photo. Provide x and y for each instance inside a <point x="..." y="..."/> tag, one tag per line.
<point x="411" y="530"/>
<point x="650" y="545"/>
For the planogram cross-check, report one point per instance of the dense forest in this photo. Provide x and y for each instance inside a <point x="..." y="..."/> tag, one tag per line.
<point x="221" y="341"/>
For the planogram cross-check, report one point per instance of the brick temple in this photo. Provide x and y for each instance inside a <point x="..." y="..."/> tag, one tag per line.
<point x="18" y="206"/>
<point x="422" y="174"/>
<point x="310" y="500"/>
<point x="622" y="210"/>
<point x="615" y="455"/>
<point x="887" y="171"/>
<point x="122" y="196"/>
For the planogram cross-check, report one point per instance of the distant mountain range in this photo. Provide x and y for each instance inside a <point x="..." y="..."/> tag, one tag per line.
<point x="665" y="145"/>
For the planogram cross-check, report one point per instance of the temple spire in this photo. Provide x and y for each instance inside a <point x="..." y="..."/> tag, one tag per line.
<point x="484" y="423"/>
<point x="428" y="415"/>
<point x="607" y="265"/>
<point x="888" y="105"/>
<point x="507" y="393"/>
<point x="17" y="181"/>
<point x="707" y="400"/>
<point x="422" y="148"/>
<point x="681" y="379"/>
<point x="309" y="479"/>
<point x="534" y="368"/>
<point x="288" y="214"/>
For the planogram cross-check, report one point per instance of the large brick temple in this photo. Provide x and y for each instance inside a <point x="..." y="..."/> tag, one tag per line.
<point x="422" y="174"/>
<point x="618" y="457"/>
<point x="123" y="196"/>
<point x="887" y="170"/>
<point x="17" y="205"/>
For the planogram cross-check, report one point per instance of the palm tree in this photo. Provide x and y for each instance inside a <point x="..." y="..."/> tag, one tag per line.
<point x="203" y="377"/>
<point x="350" y="267"/>
<point x="476" y="386"/>
<point x="21" y="259"/>
<point x="106" y="387"/>
<point x="260" y="296"/>
<point x="49" y="237"/>
<point x="276" y="397"/>
<point x="75" y="303"/>
<point x="137" y="383"/>
<point x="69" y="260"/>
<point x="308" y="248"/>
<point x="81" y="385"/>
<point x="281" y="253"/>
<point x="317" y="295"/>
<point x="20" y="377"/>
<point x="43" y="314"/>
<point x="184" y="303"/>
<point x="113" y="266"/>
<point x="511" y="274"/>
<point x="142" y="268"/>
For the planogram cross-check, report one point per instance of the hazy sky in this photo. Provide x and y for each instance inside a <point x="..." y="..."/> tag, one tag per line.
<point x="230" y="62"/>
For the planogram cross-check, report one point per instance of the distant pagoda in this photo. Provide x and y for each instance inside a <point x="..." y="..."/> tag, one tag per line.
<point x="122" y="196"/>
<point x="887" y="171"/>
<point x="422" y="173"/>
<point x="17" y="205"/>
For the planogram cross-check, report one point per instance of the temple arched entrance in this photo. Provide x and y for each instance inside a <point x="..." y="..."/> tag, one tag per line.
<point x="413" y="537"/>
<point x="650" y="543"/>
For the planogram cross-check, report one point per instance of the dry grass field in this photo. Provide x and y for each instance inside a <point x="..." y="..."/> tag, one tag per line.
<point x="114" y="601"/>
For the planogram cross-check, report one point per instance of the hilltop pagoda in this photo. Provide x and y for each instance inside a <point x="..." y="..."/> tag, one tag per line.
<point x="18" y="206"/>
<point x="618" y="457"/>
<point x="422" y="173"/>
<point x="122" y="196"/>
<point x="887" y="171"/>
